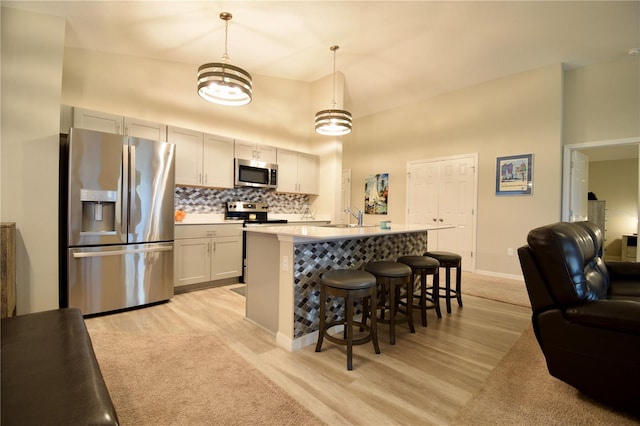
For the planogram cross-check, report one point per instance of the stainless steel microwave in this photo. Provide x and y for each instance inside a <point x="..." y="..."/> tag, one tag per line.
<point x="255" y="174"/>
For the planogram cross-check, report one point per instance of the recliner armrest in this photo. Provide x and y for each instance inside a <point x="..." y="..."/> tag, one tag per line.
<point x="625" y="278"/>
<point x="618" y="315"/>
<point x="623" y="270"/>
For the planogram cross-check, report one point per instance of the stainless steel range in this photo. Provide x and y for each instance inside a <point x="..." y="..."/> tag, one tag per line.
<point x="251" y="214"/>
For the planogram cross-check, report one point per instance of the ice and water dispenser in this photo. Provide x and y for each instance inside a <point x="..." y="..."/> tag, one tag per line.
<point x="98" y="212"/>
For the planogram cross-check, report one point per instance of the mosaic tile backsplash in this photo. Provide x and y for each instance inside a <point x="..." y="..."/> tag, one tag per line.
<point x="210" y="200"/>
<point x="313" y="259"/>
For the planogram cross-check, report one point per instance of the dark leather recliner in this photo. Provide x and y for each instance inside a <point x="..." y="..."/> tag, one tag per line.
<point x="586" y="315"/>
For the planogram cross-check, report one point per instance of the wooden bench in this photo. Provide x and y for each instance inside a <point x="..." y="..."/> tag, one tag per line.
<point x="50" y="374"/>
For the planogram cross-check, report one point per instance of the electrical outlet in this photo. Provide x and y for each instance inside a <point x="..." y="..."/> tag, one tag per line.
<point x="285" y="263"/>
<point x="509" y="251"/>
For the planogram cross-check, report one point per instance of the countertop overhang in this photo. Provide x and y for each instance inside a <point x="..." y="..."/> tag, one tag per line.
<point x="306" y="233"/>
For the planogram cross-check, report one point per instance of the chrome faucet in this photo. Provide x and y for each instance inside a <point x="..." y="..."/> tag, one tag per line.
<point x="359" y="215"/>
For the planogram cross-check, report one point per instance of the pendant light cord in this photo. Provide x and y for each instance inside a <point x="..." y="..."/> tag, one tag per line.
<point x="333" y="101"/>
<point x="225" y="17"/>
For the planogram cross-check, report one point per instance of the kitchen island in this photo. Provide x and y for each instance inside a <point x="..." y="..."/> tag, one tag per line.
<point x="284" y="265"/>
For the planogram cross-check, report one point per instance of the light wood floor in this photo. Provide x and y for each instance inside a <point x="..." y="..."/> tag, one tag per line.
<point x="426" y="378"/>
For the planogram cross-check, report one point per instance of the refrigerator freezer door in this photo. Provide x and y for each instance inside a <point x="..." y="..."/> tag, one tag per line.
<point x="96" y="178"/>
<point x="103" y="279"/>
<point x="151" y="202"/>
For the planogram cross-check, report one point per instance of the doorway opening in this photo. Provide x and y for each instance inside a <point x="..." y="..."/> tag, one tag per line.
<point x="605" y="173"/>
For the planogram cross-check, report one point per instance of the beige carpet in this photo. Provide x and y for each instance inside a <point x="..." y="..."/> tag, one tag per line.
<point x="189" y="380"/>
<point x="500" y="289"/>
<point x="520" y="391"/>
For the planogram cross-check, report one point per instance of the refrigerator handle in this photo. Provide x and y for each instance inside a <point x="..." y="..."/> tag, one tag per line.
<point x="120" y="252"/>
<point x="132" y="172"/>
<point x="124" y="216"/>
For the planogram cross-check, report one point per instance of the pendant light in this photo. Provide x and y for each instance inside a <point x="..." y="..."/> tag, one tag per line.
<point x="333" y="122"/>
<point x="223" y="83"/>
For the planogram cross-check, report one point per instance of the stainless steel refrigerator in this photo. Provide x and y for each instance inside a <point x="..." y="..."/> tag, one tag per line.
<point x="119" y="226"/>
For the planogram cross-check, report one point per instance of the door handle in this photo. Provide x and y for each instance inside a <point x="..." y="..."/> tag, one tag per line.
<point x="124" y="191"/>
<point x="120" y="252"/>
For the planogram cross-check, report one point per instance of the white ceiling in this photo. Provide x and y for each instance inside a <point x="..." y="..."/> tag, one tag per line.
<point x="391" y="52"/>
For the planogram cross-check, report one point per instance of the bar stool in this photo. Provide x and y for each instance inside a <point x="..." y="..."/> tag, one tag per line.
<point x="349" y="284"/>
<point x="425" y="265"/>
<point x="392" y="276"/>
<point x="449" y="260"/>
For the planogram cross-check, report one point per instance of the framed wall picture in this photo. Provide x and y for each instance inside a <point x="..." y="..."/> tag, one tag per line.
<point x="376" y="194"/>
<point x="514" y="175"/>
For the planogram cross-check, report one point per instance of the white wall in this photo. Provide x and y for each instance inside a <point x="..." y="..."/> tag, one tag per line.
<point x="32" y="47"/>
<point x="602" y="101"/>
<point x="518" y="114"/>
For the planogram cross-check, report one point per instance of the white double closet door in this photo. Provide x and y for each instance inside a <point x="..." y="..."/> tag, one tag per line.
<point x="444" y="191"/>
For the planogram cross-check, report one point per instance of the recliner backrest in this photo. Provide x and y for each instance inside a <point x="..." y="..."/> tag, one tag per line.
<point x="567" y="256"/>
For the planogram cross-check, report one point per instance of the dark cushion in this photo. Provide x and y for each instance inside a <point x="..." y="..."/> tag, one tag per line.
<point x="446" y="258"/>
<point x="50" y="374"/>
<point x="348" y="279"/>
<point x="419" y="262"/>
<point x="389" y="269"/>
<point x="567" y="256"/>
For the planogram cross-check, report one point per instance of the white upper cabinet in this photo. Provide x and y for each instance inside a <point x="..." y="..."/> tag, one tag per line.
<point x="308" y="173"/>
<point x="188" y="155"/>
<point x="287" y="171"/>
<point x="217" y="161"/>
<point x="252" y="151"/>
<point x="118" y="124"/>
<point x="145" y="129"/>
<point x="96" y="120"/>
<point x="202" y="159"/>
<point x="297" y="172"/>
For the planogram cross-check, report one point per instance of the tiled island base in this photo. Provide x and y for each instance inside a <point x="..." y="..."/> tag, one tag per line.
<point x="284" y="270"/>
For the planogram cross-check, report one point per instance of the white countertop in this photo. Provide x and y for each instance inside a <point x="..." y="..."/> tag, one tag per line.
<point x="306" y="233"/>
<point x="218" y="219"/>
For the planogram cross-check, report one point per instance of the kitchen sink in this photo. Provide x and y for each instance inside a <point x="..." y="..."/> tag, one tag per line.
<point x="346" y="225"/>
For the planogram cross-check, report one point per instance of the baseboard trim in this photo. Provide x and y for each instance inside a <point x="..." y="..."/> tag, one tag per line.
<point x="499" y="275"/>
<point x="293" y="345"/>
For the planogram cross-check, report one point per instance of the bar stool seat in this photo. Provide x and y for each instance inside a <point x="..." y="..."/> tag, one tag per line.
<point x="449" y="260"/>
<point x="392" y="276"/>
<point x="423" y="266"/>
<point x="349" y="284"/>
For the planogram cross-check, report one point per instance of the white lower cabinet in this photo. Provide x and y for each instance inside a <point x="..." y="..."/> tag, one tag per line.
<point x="226" y="257"/>
<point x="192" y="261"/>
<point x="207" y="253"/>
